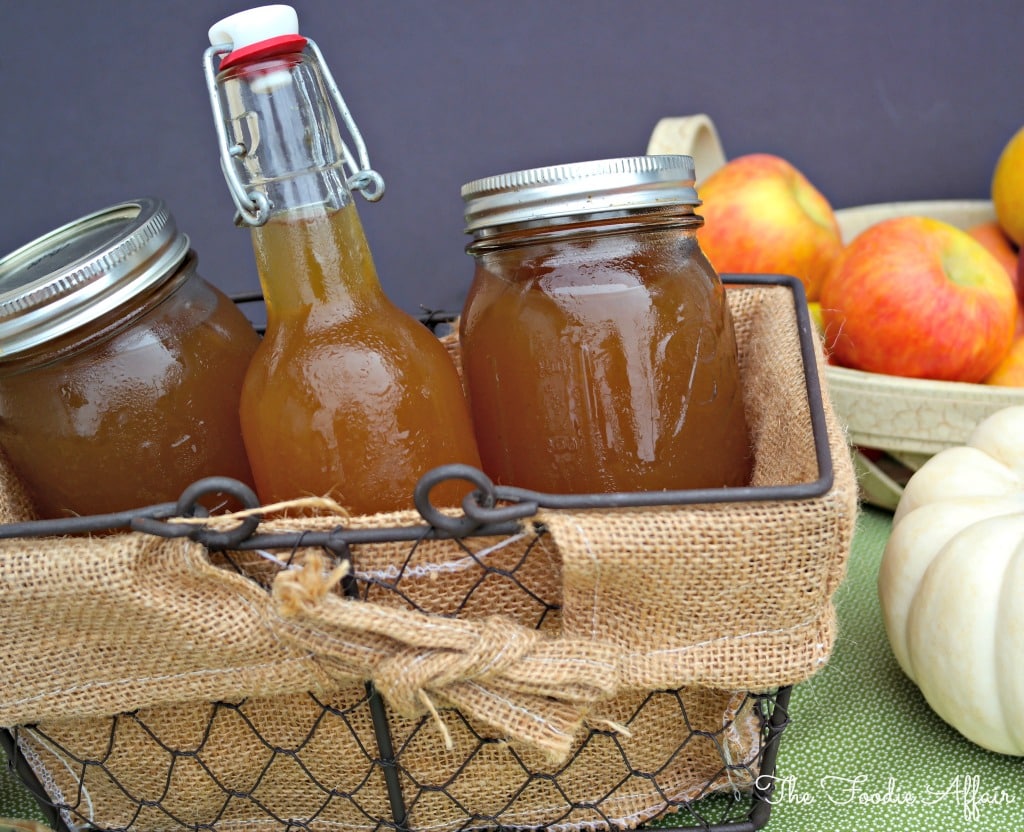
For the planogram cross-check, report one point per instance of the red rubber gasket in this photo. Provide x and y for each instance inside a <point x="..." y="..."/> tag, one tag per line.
<point x="264" y="49"/>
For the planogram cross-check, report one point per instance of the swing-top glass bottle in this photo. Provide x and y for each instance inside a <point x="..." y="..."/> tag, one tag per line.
<point x="347" y="396"/>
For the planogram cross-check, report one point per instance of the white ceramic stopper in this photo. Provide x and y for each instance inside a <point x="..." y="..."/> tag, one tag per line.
<point x="255" y="26"/>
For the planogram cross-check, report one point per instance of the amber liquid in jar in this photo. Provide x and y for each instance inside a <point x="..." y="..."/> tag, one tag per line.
<point x="604" y="363"/>
<point x="133" y="409"/>
<point x="347" y="396"/>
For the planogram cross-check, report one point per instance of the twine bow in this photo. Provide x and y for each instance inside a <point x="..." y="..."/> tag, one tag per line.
<point x="528" y="685"/>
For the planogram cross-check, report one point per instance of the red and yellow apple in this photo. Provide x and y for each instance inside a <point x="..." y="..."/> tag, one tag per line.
<point x="1019" y="282"/>
<point x="1010" y="371"/>
<point x="992" y="236"/>
<point x="1008" y="188"/>
<point x="761" y="214"/>
<point x="914" y="296"/>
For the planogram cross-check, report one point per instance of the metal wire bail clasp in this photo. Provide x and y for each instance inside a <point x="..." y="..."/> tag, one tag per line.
<point x="253" y="207"/>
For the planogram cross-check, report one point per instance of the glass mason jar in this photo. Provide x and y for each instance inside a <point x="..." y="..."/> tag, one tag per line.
<point x="120" y="367"/>
<point x="598" y="347"/>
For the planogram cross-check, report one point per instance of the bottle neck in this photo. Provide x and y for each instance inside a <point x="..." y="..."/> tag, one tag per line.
<point x="280" y="120"/>
<point x="312" y="251"/>
<point x="315" y="257"/>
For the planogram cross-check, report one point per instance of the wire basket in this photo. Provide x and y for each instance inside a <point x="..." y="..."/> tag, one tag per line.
<point x="534" y="660"/>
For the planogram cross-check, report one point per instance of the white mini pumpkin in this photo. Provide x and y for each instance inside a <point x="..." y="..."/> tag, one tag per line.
<point x="951" y="583"/>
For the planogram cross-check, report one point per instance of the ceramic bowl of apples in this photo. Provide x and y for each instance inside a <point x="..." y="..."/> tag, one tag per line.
<point x="920" y="305"/>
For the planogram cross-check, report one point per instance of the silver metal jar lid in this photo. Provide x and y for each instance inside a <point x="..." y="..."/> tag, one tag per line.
<point x="85" y="269"/>
<point x="579" y="189"/>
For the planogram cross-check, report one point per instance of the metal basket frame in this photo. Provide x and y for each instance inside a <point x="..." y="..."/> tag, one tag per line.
<point x="488" y="511"/>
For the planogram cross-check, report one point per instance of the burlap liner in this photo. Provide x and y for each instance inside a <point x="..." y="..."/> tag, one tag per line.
<point x="715" y="598"/>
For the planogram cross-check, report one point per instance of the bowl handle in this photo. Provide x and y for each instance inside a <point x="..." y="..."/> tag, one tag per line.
<point x="694" y="136"/>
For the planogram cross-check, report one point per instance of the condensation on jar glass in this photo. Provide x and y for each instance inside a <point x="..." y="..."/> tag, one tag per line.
<point x="120" y="366"/>
<point x="598" y="347"/>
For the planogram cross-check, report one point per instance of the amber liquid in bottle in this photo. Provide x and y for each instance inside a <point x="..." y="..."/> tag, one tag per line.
<point x="347" y="396"/>
<point x="598" y="365"/>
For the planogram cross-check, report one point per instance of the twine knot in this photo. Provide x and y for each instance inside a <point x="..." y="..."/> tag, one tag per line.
<point x="525" y="683"/>
<point x="494" y="648"/>
<point x="305" y="586"/>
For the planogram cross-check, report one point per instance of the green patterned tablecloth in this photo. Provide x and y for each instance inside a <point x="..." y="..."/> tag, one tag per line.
<point x="864" y="751"/>
<point x="15" y="801"/>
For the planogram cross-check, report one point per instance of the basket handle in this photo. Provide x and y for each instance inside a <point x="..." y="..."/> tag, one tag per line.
<point x="693" y="135"/>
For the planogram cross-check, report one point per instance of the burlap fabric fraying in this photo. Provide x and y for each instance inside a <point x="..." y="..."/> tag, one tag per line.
<point x="156" y="685"/>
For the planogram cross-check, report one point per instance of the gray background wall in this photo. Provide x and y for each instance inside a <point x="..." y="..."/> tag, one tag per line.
<point x="877" y="100"/>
